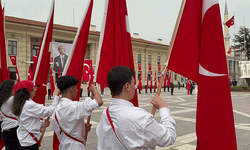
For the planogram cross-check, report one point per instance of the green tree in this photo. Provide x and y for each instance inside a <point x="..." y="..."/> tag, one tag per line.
<point x="239" y="41"/>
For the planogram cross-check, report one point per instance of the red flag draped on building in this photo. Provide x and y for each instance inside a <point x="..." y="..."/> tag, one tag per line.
<point x="87" y="68"/>
<point x="201" y="20"/>
<point x="151" y="83"/>
<point x="13" y="60"/>
<point x="229" y="51"/>
<point x="4" y="72"/>
<point x="43" y="59"/>
<point x="147" y="83"/>
<point x="30" y="74"/>
<point x="155" y="86"/>
<point x="51" y="80"/>
<point x="140" y="83"/>
<point x="115" y="42"/>
<point x="230" y="22"/>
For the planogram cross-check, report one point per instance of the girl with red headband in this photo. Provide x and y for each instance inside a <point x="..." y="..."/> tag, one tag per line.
<point x="10" y="123"/>
<point x="29" y="113"/>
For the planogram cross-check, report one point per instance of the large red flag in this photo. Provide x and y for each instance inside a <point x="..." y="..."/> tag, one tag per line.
<point x="4" y="72"/>
<point x="115" y="46"/>
<point x="147" y="83"/>
<point x="151" y="83"/>
<point x="51" y="80"/>
<point x="43" y="62"/>
<point x="30" y="74"/>
<point x="140" y="83"/>
<point x="75" y="61"/>
<point x="230" y="22"/>
<point x="155" y="86"/>
<point x="201" y="20"/>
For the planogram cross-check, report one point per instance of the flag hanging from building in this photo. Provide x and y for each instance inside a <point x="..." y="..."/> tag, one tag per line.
<point x="147" y="83"/>
<point x="155" y="85"/>
<point x="43" y="59"/>
<point x="229" y="51"/>
<point x="214" y="124"/>
<point x="230" y="22"/>
<point x="4" y="72"/>
<point x="75" y="61"/>
<point x="115" y="46"/>
<point x="30" y="74"/>
<point x="87" y="69"/>
<point x="13" y="60"/>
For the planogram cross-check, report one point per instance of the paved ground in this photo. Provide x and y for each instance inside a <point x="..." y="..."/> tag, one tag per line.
<point x="183" y="110"/>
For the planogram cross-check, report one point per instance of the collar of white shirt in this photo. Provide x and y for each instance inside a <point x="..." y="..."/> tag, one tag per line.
<point x="64" y="99"/>
<point x="123" y="102"/>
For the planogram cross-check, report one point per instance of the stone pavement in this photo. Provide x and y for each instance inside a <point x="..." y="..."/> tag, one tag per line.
<point x="183" y="110"/>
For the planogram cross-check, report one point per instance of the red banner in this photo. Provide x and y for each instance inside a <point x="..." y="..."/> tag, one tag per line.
<point x="159" y="67"/>
<point x="149" y="66"/>
<point x="139" y="66"/>
<point x="13" y="59"/>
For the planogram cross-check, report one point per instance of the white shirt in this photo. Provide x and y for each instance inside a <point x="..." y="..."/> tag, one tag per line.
<point x="29" y="120"/>
<point x="8" y="123"/>
<point x="70" y="115"/>
<point x="61" y="57"/>
<point x="135" y="128"/>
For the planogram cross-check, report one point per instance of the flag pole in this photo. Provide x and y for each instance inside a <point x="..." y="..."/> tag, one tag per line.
<point x="158" y="92"/>
<point x="44" y="129"/>
<point x="89" y="117"/>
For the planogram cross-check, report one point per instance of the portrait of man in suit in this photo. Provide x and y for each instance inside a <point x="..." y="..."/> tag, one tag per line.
<point x="60" y="60"/>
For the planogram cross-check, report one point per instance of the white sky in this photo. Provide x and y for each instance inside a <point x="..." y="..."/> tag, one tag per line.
<point x="152" y="19"/>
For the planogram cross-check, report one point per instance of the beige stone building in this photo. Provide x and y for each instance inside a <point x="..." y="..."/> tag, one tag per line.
<point x="23" y="38"/>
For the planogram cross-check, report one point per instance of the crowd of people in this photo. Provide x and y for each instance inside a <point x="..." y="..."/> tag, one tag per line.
<point x="122" y="125"/>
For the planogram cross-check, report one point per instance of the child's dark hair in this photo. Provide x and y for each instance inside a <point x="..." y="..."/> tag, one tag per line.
<point x="118" y="77"/>
<point x="6" y="88"/>
<point x="19" y="100"/>
<point x="65" y="82"/>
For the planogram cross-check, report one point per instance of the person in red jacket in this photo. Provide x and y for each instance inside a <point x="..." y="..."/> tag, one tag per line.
<point x="188" y="87"/>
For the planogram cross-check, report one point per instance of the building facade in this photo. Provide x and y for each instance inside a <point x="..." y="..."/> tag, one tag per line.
<point x="23" y="38"/>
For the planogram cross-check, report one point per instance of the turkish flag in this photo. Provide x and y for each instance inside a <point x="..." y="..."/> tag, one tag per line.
<point x="147" y="83"/>
<point x="13" y="59"/>
<point x="229" y="51"/>
<point x="30" y="74"/>
<point x="4" y="72"/>
<point x="87" y="68"/>
<point x="75" y="61"/>
<point x="230" y="22"/>
<point x="201" y="20"/>
<point x="43" y="59"/>
<point x="115" y="46"/>
<point x="140" y="83"/>
<point x="51" y="79"/>
<point x="151" y="83"/>
<point x="17" y="76"/>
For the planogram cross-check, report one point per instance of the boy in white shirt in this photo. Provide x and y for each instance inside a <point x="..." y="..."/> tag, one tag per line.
<point x="123" y="126"/>
<point x="68" y="118"/>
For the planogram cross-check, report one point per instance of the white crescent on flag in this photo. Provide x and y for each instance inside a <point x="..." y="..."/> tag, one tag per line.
<point x="17" y="76"/>
<point x="205" y="72"/>
<point x="12" y="58"/>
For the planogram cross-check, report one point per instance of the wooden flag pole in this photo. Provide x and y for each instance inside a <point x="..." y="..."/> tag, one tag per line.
<point x="88" y="120"/>
<point x="158" y="92"/>
<point x="44" y="129"/>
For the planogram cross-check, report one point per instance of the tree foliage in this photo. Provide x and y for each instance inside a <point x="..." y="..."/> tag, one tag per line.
<point x="239" y="40"/>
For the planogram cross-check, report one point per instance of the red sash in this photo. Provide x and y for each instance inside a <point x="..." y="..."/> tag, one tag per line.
<point x="111" y="123"/>
<point x="65" y="132"/>
<point x="32" y="135"/>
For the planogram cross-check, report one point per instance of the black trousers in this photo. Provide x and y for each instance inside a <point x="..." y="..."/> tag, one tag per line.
<point x="32" y="147"/>
<point x="172" y="91"/>
<point x="191" y="90"/>
<point x="81" y="92"/>
<point x="10" y="139"/>
<point x="49" y="93"/>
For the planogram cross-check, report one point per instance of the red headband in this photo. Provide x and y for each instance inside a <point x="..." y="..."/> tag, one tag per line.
<point x="24" y="84"/>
